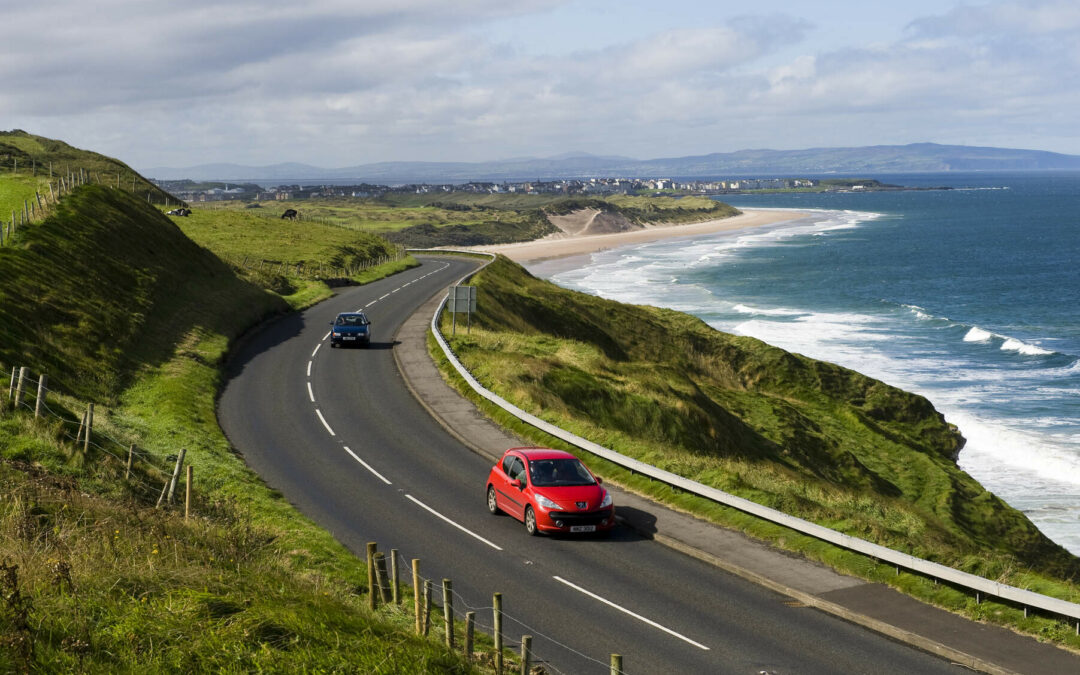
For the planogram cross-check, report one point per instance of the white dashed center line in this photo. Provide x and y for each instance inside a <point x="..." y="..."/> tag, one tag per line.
<point x="609" y="603"/>
<point x="316" y="349"/>
<point x="323" y="420"/>
<point x="309" y="368"/>
<point x="366" y="465"/>
<point x="311" y="394"/>
<point x="460" y="527"/>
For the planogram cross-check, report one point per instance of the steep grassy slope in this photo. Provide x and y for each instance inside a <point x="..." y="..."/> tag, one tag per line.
<point x="109" y="286"/>
<point x="37" y="156"/>
<point x="111" y="300"/>
<point x="807" y="437"/>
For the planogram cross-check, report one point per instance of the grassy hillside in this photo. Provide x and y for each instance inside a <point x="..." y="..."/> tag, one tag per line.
<point x="111" y="300"/>
<point x="806" y="437"/>
<point x="48" y="159"/>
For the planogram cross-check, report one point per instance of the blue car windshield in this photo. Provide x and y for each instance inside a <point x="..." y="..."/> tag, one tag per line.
<point x="351" y="320"/>
<point x="559" y="472"/>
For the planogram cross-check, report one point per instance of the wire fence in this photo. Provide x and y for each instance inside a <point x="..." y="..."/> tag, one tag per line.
<point x="45" y="199"/>
<point x="148" y="473"/>
<point x="31" y="396"/>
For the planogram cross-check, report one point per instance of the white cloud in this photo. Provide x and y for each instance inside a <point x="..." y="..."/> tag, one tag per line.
<point x="339" y="82"/>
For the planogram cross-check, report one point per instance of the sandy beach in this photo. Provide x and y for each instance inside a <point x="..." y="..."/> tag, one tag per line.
<point x="564" y="244"/>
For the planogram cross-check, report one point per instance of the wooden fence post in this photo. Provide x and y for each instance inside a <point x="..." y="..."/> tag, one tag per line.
<point x="416" y="592"/>
<point x="20" y="387"/>
<point x="89" y="427"/>
<point x="131" y="459"/>
<point x="395" y="579"/>
<point x="373" y="602"/>
<point x="40" y="401"/>
<point x="470" y="629"/>
<point x="82" y="427"/>
<point x="448" y="611"/>
<point x="175" y="475"/>
<point x="187" y="493"/>
<point x="526" y="654"/>
<point x="382" y="578"/>
<point x="427" y="607"/>
<point x="497" y="612"/>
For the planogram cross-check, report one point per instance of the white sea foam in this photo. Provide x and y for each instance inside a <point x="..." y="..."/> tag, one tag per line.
<point x="779" y="311"/>
<point x="977" y="334"/>
<point x="1008" y="455"/>
<point x="918" y="312"/>
<point x="1004" y="405"/>
<point x="1014" y="345"/>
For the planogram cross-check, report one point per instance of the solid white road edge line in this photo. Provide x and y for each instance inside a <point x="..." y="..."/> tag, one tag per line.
<point x="626" y="611"/>
<point x="310" y="393"/>
<point x="439" y="515"/>
<point x="366" y="465"/>
<point x="323" y="420"/>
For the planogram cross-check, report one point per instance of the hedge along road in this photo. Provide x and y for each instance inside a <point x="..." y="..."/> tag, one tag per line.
<point x="339" y="434"/>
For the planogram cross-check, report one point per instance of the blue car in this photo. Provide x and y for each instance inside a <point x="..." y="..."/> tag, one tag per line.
<point x="350" y="328"/>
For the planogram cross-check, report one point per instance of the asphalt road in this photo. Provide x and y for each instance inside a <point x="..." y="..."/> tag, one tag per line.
<point x="339" y="434"/>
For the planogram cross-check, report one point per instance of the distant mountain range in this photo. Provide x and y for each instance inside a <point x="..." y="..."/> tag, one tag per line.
<point x="878" y="159"/>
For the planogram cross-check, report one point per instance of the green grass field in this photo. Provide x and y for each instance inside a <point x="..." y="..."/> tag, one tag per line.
<point x="805" y="437"/>
<point x="120" y="308"/>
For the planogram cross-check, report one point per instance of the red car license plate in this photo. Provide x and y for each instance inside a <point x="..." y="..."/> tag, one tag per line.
<point x="583" y="528"/>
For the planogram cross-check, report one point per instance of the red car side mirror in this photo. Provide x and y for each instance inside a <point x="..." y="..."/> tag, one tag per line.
<point x="517" y="483"/>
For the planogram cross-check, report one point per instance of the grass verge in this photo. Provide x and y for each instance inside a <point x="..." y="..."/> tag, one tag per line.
<point x="657" y="386"/>
<point x="111" y="300"/>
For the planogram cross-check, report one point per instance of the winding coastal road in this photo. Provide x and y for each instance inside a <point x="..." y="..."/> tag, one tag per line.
<point x="340" y="435"/>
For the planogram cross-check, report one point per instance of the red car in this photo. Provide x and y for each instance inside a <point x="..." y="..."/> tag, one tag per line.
<point x="550" y="491"/>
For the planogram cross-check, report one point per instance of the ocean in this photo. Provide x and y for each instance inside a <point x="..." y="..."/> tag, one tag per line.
<point x="968" y="296"/>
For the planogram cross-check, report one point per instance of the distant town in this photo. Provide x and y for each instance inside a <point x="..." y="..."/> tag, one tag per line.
<point x="192" y="191"/>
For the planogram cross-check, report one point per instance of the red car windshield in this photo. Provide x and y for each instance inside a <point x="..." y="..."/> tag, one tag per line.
<point x="559" y="472"/>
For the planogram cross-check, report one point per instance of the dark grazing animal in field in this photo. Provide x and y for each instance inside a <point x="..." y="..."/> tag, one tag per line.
<point x="291" y="214"/>
<point x="180" y="212"/>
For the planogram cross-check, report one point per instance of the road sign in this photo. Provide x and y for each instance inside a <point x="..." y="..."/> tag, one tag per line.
<point x="462" y="299"/>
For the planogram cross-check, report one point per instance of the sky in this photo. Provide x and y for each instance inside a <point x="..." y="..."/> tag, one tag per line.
<point x="336" y="83"/>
